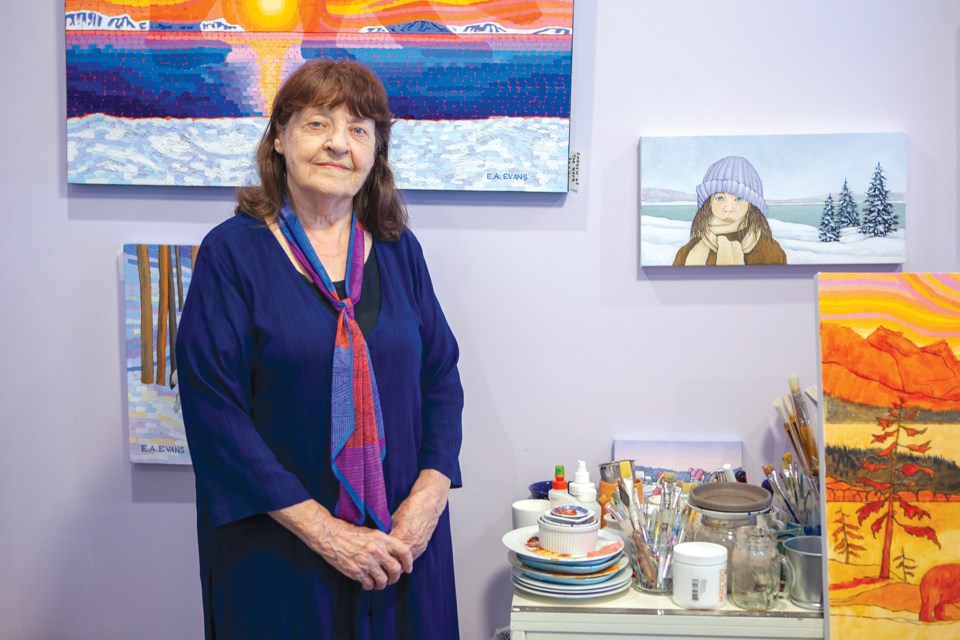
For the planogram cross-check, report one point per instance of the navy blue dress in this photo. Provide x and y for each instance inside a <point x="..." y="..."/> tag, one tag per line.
<point x="254" y="351"/>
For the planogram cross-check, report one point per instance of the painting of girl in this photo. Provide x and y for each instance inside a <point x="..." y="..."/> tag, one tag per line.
<point x="730" y="226"/>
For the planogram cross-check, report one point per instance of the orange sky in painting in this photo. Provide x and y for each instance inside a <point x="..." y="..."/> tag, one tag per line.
<point x="925" y="307"/>
<point x="339" y="15"/>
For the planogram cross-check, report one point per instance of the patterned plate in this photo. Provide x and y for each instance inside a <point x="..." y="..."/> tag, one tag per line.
<point x="525" y="542"/>
<point x="609" y="582"/>
<point x="546" y="593"/>
<point x="562" y="577"/>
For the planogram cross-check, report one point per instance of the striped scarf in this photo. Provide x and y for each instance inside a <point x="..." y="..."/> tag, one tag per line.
<point x="357" y="441"/>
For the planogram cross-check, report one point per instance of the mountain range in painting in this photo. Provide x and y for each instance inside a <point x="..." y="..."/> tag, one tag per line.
<point x="886" y="367"/>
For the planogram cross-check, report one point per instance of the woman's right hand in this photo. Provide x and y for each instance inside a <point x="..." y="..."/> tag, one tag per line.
<point x="369" y="556"/>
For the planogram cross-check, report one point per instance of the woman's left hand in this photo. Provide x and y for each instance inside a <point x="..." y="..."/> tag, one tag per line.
<point x="417" y="516"/>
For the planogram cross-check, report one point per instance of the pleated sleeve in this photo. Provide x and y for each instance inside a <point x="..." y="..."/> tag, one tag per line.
<point x="441" y="389"/>
<point x="237" y="473"/>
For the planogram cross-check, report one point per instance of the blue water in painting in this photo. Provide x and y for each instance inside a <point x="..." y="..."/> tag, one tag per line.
<point x="423" y="83"/>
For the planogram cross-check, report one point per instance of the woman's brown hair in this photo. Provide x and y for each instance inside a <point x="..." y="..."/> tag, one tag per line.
<point x="331" y="84"/>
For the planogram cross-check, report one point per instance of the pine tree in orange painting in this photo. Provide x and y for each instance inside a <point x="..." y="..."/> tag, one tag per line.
<point x="890" y="382"/>
<point x="890" y="500"/>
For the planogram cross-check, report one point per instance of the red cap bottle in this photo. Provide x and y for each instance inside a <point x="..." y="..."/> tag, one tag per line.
<point x="559" y="482"/>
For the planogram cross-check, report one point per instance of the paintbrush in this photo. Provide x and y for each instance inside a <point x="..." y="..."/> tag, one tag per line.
<point x="771" y="475"/>
<point x="628" y="496"/>
<point x="781" y="404"/>
<point x="804" y="426"/>
<point x="661" y="533"/>
<point x="790" y="479"/>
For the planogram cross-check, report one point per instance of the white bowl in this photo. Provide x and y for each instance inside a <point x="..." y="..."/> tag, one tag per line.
<point x="574" y="540"/>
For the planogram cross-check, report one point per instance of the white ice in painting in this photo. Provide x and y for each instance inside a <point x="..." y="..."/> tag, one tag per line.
<point x="483" y="27"/>
<point x="660" y="239"/>
<point x="86" y="20"/>
<point x="497" y="154"/>
<point x="89" y="20"/>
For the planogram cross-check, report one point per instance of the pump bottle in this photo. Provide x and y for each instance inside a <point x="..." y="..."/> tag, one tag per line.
<point x="584" y="491"/>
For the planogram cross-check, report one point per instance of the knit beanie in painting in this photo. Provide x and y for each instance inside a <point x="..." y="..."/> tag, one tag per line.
<point x="735" y="175"/>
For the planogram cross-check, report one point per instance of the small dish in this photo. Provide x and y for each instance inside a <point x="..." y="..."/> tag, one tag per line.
<point x="569" y="515"/>
<point x="569" y="538"/>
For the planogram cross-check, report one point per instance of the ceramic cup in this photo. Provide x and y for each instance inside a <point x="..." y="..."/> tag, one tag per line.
<point x="805" y="554"/>
<point x="526" y="512"/>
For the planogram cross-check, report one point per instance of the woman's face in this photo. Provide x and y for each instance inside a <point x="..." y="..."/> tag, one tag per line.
<point x="728" y="207"/>
<point x="329" y="154"/>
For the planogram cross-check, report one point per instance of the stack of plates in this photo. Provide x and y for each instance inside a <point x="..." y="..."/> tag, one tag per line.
<point x="601" y="572"/>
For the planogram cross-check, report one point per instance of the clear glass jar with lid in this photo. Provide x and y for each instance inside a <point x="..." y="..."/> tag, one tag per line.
<point x="721" y="528"/>
<point x="723" y="508"/>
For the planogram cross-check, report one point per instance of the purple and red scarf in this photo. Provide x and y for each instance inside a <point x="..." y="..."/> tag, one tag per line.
<point x="357" y="441"/>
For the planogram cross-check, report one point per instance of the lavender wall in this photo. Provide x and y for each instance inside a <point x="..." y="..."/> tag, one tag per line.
<point x="566" y="343"/>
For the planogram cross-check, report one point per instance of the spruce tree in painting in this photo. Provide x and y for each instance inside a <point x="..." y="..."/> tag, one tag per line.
<point x="905" y="564"/>
<point x="847" y="215"/>
<point x="878" y="216"/>
<point x="829" y="231"/>
<point x="847" y="538"/>
<point x="887" y="502"/>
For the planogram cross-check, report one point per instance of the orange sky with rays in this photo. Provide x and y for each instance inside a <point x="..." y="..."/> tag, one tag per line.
<point x="924" y="307"/>
<point x="339" y="15"/>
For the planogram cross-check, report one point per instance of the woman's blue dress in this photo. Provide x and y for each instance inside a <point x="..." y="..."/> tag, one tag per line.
<point x="254" y="350"/>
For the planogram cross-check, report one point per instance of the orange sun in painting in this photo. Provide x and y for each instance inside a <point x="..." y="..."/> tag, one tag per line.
<point x="275" y="16"/>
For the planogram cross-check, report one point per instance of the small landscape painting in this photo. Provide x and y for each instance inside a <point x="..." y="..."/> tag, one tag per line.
<point x="890" y="378"/>
<point x="773" y="200"/>
<point x="155" y="283"/>
<point x="689" y="461"/>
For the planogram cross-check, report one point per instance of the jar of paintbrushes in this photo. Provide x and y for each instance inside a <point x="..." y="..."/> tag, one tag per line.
<point x="796" y="495"/>
<point x="651" y="535"/>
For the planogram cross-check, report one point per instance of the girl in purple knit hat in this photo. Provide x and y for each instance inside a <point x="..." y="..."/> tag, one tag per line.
<point x="730" y="227"/>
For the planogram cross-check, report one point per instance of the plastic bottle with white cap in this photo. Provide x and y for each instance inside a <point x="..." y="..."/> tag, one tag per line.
<point x="584" y="491"/>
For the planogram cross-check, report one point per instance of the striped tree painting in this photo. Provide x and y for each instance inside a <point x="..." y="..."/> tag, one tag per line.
<point x="156" y="279"/>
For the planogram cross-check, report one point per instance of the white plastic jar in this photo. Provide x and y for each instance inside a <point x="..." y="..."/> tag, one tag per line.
<point x="700" y="575"/>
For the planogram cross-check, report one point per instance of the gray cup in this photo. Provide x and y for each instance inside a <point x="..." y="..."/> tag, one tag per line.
<point x="805" y="554"/>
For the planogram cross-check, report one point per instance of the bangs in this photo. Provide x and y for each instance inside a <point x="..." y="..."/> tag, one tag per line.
<point x="337" y="84"/>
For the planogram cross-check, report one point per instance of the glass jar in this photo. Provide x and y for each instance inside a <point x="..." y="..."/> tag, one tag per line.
<point x="721" y="530"/>
<point x="755" y="569"/>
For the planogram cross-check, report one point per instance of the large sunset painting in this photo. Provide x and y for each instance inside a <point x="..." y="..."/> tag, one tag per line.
<point x="889" y="348"/>
<point x="177" y="92"/>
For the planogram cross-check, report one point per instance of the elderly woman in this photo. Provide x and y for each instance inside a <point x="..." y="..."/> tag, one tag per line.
<point x="320" y="389"/>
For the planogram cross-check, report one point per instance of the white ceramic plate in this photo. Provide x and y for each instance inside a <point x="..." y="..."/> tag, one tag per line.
<point x="612" y="582"/>
<point x="572" y="569"/>
<point x="572" y="596"/>
<point x="525" y="543"/>
<point x="558" y="577"/>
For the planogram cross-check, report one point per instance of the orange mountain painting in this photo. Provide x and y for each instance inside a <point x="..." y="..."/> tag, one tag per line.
<point x="889" y="347"/>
